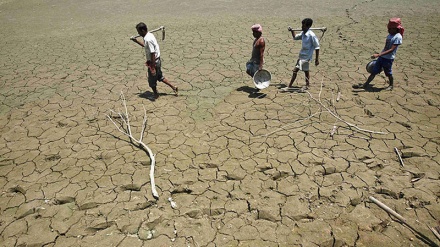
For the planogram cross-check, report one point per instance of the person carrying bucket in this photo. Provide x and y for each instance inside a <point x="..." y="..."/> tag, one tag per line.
<point x="257" y="59"/>
<point x="386" y="58"/>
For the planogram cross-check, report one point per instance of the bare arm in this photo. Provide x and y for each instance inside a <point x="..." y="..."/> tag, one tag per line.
<point x="262" y="47"/>
<point x="141" y="43"/>
<point x="293" y="33"/>
<point x="317" y="57"/>
<point x="153" y="59"/>
<point x="393" y="47"/>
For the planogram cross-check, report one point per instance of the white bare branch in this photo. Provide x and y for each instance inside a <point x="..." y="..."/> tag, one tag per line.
<point x="125" y="123"/>
<point x="338" y="117"/>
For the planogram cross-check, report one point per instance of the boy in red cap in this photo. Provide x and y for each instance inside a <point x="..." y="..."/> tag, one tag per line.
<point x="385" y="59"/>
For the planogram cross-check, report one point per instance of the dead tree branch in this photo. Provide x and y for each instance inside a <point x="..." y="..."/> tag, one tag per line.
<point x="335" y="115"/>
<point x="123" y="126"/>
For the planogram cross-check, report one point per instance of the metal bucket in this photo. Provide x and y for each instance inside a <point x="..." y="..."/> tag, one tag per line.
<point x="370" y="66"/>
<point x="262" y="79"/>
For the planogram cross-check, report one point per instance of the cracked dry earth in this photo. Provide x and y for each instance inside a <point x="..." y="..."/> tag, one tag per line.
<point x="244" y="169"/>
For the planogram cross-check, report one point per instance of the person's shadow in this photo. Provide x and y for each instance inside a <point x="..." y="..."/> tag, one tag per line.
<point x="149" y="95"/>
<point x="253" y="92"/>
<point x="284" y="89"/>
<point x="370" y="88"/>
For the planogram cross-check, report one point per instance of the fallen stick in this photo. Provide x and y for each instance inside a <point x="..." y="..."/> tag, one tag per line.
<point x="436" y="233"/>
<point x="333" y="130"/>
<point x="388" y="210"/>
<point x="400" y="157"/>
<point x="173" y="203"/>
<point x="338" y="117"/>
<point x="339" y="97"/>
<point x="404" y="221"/>
<point x="125" y="123"/>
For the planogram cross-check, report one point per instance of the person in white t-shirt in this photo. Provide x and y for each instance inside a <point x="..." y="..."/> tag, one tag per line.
<point x="152" y="53"/>
<point x="310" y="44"/>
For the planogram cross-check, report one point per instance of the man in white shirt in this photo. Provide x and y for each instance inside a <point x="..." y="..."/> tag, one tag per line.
<point x="310" y="43"/>
<point x="152" y="53"/>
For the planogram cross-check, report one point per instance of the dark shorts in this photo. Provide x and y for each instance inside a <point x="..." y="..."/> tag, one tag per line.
<point x="385" y="64"/>
<point x="152" y="80"/>
<point x="251" y="68"/>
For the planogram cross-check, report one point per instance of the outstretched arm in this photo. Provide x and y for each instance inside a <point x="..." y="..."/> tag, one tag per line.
<point x="293" y="34"/>
<point x="135" y="40"/>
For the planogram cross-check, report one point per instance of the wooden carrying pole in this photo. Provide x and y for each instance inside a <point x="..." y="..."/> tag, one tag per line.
<point x="152" y="31"/>
<point x="323" y="29"/>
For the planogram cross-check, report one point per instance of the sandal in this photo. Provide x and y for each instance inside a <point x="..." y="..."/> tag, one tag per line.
<point x="287" y="89"/>
<point x="303" y="89"/>
<point x="358" y="86"/>
<point x="176" y="91"/>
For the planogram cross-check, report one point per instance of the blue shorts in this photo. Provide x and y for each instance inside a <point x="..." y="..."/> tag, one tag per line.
<point x="385" y="64"/>
<point x="152" y="79"/>
<point x="251" y="68"/>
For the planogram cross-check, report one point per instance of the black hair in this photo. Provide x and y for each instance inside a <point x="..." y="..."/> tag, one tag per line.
<point x="141" y="26"/>
<point x="307" y="22"/>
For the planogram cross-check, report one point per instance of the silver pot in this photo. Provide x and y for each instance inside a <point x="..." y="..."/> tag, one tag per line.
<point x="370" y="66"/>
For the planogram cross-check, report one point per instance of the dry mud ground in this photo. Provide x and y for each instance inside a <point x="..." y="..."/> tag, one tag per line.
<point x="244" y="169"/>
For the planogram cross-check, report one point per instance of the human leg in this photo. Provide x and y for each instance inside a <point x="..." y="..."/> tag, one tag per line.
<point x="175" y="89"/>
<point x="152" y="82"/>
<point x="307" y="75"/>
<point x="248" y="68"/>
<point x="381" y="64"/>
<point x="391" y="79"/>
<point x="160" y="77"/>
<point x="366" y="84"/>
<point x="391" y="82"/>
<point x="295" y="72"/>
<point x="377" y="68"/>
<point x="387" y="68"/>
<point x="251" y="68"/>
<point x="304" y="66"/>
<point x="370" y="79"/>
<point x="292" y="80"/>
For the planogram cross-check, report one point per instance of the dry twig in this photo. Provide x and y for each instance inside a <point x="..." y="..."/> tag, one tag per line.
<point x="337" y="116"/>
<point x="124" y="127"/>
<point x="388" y="210"/>
<point x="435" y="231"/>
<point x="400" y="157"/>
<point x="326" y="109"/>
<point x="405" y="222"/>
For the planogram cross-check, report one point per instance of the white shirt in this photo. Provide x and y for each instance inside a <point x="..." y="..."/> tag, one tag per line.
<point x="151" y="46"/>
<point x="310" y="43"/>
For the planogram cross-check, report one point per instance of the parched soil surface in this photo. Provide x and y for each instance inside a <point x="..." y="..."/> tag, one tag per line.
<point x="244" y="168"/>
